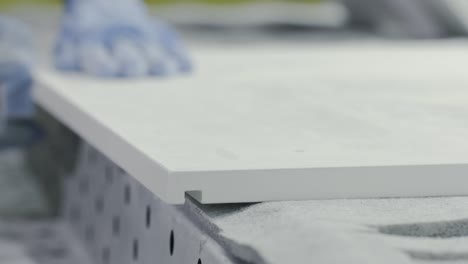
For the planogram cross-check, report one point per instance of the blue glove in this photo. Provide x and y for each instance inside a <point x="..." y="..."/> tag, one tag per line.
<point x="16" y="60"/>
<point x="16" y="106"/>
<point x="117" y="39"/>
<point x="15" y="91"/>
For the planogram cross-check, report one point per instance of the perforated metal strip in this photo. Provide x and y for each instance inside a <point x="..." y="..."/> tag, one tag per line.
<point x="121" y="222"/>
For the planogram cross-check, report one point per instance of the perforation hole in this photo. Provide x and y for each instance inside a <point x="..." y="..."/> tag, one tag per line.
<point x="148" y="216"/>
<point x="127" y="194"/>
<point x="199" y="261"/>
<point x="171" y="243"/>
<point x="116" y="225"/>
<point x="135" y="250"/>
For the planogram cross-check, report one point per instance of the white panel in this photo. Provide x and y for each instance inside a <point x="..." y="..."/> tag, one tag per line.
<point x="283" y="122"/>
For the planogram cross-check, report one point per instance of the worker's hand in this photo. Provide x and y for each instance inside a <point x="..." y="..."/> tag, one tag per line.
<point x="16" y="59"/>
<point x="117" y="39"/>
<point x="16" y="107"/>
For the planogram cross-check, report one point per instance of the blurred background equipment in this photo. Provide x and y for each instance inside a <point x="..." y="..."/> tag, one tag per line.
<point x="392" y="18"/>
<point x="410" y="18"/>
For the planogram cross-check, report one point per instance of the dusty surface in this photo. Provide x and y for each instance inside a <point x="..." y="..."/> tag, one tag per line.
<point x="425" y="230"/>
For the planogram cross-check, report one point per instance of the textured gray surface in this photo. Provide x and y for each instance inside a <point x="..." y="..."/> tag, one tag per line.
<point x="425" y="230"/>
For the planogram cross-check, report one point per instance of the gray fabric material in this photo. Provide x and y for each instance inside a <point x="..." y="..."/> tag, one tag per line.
<point x="426" y="230"/>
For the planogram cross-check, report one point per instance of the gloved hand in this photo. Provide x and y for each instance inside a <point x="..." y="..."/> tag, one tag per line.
<point x="16" y="61"/>
<point x="16" y="106"/>
<point x="117" y="39"/>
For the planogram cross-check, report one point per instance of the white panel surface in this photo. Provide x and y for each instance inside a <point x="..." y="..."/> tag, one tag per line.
<point x="283" y="121"/>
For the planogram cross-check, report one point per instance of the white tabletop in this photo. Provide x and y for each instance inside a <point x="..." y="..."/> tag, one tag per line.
<point x="283" y="121"/>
